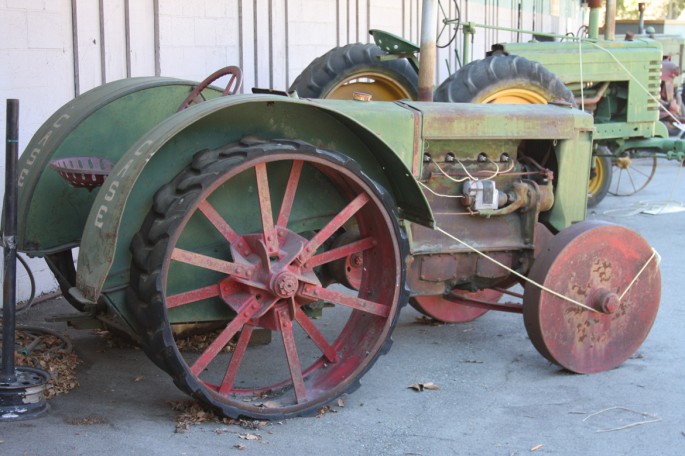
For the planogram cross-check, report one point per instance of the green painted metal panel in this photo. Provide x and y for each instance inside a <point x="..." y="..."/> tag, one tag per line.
<point x="483" y="121"/>
<point x="637" y="63"/>
<point x="571" y="182"/>
<point x="103" y="122"/>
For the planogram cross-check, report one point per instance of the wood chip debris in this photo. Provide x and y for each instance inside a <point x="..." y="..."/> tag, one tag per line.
<point x="50" y="353"/>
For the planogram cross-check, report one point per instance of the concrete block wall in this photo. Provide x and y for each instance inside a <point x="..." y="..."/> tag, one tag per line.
<point x="53" y="50"/>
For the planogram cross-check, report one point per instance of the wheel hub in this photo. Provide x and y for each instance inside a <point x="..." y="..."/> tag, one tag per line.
<point x="603" y="300"/>
<point x="623" y="162"/>
<point x="284" y="284"/>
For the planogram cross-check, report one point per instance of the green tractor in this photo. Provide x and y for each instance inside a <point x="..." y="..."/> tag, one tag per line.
<point x="618" y="82"/>
<point x="260" y="247"/>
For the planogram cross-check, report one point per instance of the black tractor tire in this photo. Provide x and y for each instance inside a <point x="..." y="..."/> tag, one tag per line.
<point x="600" y="176"/>
<point x="327" y="74"/>
<point x="482" y="80"/>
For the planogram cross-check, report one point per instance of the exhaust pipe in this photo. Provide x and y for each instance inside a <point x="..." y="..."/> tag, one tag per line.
<point x="429" y="31"/>
<point x="593" y="25"/>
<point x="610" y="21"/>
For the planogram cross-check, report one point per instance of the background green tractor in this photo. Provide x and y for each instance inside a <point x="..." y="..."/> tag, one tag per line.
<point x="206" y="224"/>
<point x="617" y="81"/>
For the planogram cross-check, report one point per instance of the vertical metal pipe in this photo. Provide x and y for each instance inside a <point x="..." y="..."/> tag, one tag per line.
<point x="241" y="41"/>
<point x="103" y="57"/>
<point x="158" y="60"/>
<point x="74" y="45"/>
<point x="593" y="25"/>
<point x="127" y="32"/>
<point x="7" y="371"/>
<point x="287" y="46"/>
<point x="271" y="44"/>
<point x="429" y="30"/>
<point x="641" y="23"/>
<point x="255" y="51"/>
<point x="610" y="20"/>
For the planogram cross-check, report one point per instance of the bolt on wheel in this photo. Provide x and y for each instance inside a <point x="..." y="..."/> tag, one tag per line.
<point x="215" y="250"/>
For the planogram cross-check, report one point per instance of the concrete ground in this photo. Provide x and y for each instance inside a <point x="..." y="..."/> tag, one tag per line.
<point x="496" y="396"/>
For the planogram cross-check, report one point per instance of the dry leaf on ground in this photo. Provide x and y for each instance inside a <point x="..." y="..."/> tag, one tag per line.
<point x="424" y="386"/>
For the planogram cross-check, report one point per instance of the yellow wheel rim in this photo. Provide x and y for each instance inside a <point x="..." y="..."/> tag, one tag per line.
<point x="515" y="96"/>
<point x="597" y="177"/>
<point x="379" y="86"/>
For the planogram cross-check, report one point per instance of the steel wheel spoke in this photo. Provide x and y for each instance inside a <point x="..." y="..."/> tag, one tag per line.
<point x="270" y="238"/>
<point x="289" y="196"/>
<point x="618" y="182"/>
<point x="341" y="252"/>
<point x="236" y="359"/>
<point x="632" y="182"/>
<point x="316" y="336"/>
<point x="346" y="300"/>
<point x="218" y="221"/>
<point x="192" y="296"/>
<point x="247" y="310"/>
<point x="332" y="226"/>
<point x="223" y="227"/>
<point x="214" y="264"/>
<point x="290" y="346"/>
<point x="637" y="170"/>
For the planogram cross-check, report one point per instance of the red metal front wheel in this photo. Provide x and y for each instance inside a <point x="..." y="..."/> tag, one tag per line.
<point x="608" y="268"/>
<point x="238" y="242"/>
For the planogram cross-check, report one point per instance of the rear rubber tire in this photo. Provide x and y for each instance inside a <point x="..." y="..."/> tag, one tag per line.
<point x="326" y="75"/>
<point x="210" y="241"/>
<point x="481" y="82"/>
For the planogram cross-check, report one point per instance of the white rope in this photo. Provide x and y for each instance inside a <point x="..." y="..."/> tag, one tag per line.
<point x="658" y="261"/>
<point x="516" y="273"/>
<point x="438" y="194"/>
<point x="655" y="254"/>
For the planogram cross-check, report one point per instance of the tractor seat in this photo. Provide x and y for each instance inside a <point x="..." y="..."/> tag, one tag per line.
<point x="393" y="44"/>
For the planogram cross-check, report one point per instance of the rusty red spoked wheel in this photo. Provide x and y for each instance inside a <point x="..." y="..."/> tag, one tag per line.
<point x="232" y="86"/>
<point x="592" y="263"/>
<point x="452" y="311"/>
<point x="242" y="235"/>
<point x="632" y="171"/>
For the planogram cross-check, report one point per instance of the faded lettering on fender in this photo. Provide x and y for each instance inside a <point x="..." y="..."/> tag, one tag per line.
<point x="112" y="190"/>
<point x="102" y="210"/>
<point x="122" y="175"/>
<point x="36" y="151"/>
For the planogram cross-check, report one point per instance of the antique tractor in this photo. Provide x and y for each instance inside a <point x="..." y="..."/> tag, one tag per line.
<point x="207" y="232"/>
<point x="617" y="81"/>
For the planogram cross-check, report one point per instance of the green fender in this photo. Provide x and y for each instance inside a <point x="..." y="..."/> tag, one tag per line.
<point x="103" y="122"/>
<point x="383" y="148"/>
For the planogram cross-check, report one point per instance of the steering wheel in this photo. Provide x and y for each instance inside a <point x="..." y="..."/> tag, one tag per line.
<point x="236" y="80"/>
<point x="447" y="21"/>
